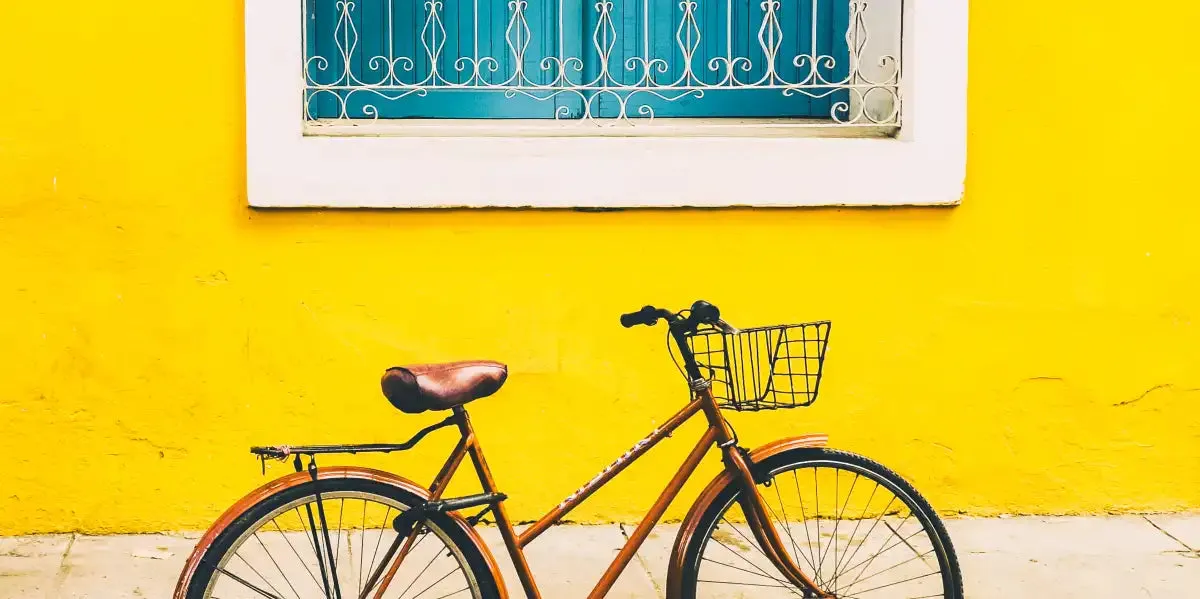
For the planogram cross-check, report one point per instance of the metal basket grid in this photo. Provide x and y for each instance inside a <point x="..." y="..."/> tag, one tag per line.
<point x="763" y="368"/>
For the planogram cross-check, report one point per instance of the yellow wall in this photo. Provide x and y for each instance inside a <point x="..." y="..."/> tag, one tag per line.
<point x="1034" y="350"/>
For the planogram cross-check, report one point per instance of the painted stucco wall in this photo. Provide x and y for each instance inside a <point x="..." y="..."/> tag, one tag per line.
<point x="1033" y="350"/>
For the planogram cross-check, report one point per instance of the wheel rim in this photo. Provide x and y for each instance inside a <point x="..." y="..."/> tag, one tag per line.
<point x="853" y="532"/>
<point x="278" y="555"/>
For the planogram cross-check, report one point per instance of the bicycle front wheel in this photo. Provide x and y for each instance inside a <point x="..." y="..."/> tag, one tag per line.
<point x="294" y="545"/>
<point x="857" y="529"/>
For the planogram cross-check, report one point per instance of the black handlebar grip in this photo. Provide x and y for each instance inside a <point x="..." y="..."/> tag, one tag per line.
<point x="648" y="315"/>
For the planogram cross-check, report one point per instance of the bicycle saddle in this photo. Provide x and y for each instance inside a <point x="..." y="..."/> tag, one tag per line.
<point x="415" y="389"/>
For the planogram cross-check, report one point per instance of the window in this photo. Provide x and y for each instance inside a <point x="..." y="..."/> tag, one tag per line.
<point x="662" y="96"/>
<point x="624" y="60"/>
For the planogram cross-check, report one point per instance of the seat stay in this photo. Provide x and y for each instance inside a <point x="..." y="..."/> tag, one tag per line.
<point x="466" y="442"/>
<point x="507" y="532"/>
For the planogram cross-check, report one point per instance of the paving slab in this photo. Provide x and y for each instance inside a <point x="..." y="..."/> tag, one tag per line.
<point x="1097" y="558"/>
<point x="123" y="566"/>
<point x="567" y="561"/>
<point x="1005" y="575"/>
<point x="1064" y="557"/>
<point x="1053" y="536"/>
<point x="29" y="566"/>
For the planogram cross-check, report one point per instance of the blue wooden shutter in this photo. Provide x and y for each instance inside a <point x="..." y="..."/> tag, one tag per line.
<point x="642" y="29"/>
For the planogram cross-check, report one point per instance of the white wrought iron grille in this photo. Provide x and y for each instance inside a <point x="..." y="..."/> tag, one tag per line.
<point x="813" y="62"/>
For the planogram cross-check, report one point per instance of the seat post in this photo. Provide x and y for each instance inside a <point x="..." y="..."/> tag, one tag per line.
<point x="489" y="486"/>
<point x="463" y="420"/>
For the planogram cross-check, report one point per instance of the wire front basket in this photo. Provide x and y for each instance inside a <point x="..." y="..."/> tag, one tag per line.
<point x="763" y="368"/>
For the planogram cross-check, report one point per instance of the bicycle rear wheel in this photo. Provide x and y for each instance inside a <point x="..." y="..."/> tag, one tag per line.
<point x="857" y="529"/>
<point x="290" y="545"/>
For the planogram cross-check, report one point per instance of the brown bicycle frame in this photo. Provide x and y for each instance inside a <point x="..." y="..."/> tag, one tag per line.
<point x="718" y="432"/>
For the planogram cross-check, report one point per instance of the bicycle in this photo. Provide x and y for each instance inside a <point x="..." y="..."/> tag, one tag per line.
<point x="735" y="530"/>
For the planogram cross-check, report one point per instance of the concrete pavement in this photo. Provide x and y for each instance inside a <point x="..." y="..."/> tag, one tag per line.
<point x="1123" y="557"/>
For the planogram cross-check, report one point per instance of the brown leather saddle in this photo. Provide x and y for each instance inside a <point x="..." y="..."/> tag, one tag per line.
<point x="415" y="389"/>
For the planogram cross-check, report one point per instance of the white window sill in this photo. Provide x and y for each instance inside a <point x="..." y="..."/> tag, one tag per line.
<point x="711" y="127"/>
<point x="426" y="165"/>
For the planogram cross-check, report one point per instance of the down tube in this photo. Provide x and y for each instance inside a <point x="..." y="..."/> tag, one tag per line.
<point x="656" y="511"/>
<point x="574" y="499"/>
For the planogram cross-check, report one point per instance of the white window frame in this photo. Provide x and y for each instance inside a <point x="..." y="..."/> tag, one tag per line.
<point x="924" y="164"/>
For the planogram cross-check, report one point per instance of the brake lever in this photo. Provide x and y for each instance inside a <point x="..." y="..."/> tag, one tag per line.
<point x="727" y="328"/>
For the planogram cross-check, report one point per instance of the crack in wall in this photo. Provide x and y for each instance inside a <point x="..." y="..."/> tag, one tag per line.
<point x="1152" y="390"/>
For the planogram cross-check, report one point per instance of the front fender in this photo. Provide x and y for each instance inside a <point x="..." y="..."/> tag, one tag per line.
<point x="688" y="527"/>
<point x="298" y="478"/>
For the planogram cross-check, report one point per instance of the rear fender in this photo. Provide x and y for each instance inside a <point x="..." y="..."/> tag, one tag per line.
<point x="687" y="528"/>
<point x="299" y="478"/>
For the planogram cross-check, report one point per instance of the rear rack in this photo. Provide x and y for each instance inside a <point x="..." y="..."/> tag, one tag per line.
<point x="406" y="521"/>
<point x="283" y="452"/>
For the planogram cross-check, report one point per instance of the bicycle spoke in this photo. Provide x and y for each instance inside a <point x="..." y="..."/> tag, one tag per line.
<point x="277" y="567"/>
<point x="762" y="572"/>
<point x="933" y="596"/>
<point x="295" y="551"/>
<point x="836" y="524"/>
<point x="742" y="557"/>
<point x="892" y="584"/>
<point x="453" y="593"/>
<point x="869" y="531"/>
<point x="804" y="517"/>
<point x="310" y="534"/>
<point x="817" y="498"/>
<point x="745" y="538"/>
<point x="377" y="573"/>
<point x="316" y="544"/>
<point x="444" y="577"/>
<point x="422" y="572"/>
<point x="338" y="550"/>
<point x="733" y="567"/>
<point x="786" y="527"/>
<point x="806" y="560"/>
<point x="375" y="553"/>
<point x="307" y="537"/>
<point x="245" y="583"/>
<point x="857" y="522"/>
<point x="748" y="584"/>
<point x="362" y="545"/>
<point x="887" y="569"/>
<point x="906" y="543"/>
<point x="866" y="563"/>
<point x="837" y="479"/>
<point x="333" y="575"/>
<point x="258" y="574"/>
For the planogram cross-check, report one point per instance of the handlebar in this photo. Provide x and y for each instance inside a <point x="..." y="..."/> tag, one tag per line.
<point x="648" y="315"/>
<point x="700" y="313"/>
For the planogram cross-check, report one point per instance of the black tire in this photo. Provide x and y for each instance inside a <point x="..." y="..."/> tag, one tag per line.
<point x="468" y="555"/>
<point x="951" y="576"/>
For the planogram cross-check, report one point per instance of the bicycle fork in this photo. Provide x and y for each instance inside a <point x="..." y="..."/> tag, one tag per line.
<point x="753" y="505"/>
